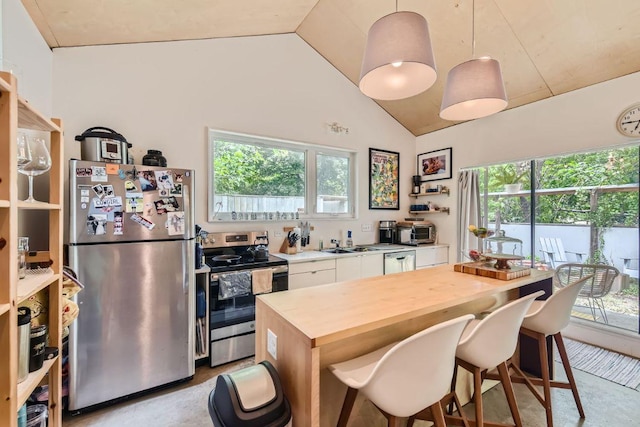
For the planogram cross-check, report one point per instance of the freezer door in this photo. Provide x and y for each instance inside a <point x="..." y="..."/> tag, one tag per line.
<point x="111" y="202"/>
<point x="135" y="326"/>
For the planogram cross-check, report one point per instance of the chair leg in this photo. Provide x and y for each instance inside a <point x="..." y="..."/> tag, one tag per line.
<point x="508" y="391"/>
<point x="438" y="415"/>
<point x="394" y="421"/>
<point x="600" y="303"/>
<point x="567" y="368"/>
<point x="546" y="381"/>
<point x="347" y="406"/>
<point x="477" y="396"/>
<point x="454" y="379"/>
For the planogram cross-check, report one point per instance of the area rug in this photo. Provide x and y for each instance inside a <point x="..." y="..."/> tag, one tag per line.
<point x="612" y="366"/>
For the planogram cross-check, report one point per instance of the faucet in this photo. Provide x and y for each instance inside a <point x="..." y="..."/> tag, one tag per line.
<point x="336" y="242"/>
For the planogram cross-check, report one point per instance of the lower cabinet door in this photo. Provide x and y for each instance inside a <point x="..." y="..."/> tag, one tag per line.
<point x="311" y="278"/>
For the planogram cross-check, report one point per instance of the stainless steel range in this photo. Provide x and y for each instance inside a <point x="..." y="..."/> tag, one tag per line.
<point x="233" y="258"/>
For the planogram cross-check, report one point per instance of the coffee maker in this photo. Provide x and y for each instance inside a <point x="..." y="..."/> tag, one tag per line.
<point x="387" y="230"/>
<point x="415" y="180"/>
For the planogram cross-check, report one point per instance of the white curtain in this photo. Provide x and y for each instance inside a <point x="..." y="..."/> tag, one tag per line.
<point x="469" y="212"/>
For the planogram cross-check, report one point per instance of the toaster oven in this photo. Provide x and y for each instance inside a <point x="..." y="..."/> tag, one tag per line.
<point x="415" y="233"/>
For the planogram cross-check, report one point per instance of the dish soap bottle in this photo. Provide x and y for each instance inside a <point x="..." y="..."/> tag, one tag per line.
<point x="349" y="242"/>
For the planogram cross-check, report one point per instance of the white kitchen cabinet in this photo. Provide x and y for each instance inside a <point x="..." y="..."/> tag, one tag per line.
<point x="311" y="273"/>
<point x="359" y="267"/>
<point x="431" y="256"/>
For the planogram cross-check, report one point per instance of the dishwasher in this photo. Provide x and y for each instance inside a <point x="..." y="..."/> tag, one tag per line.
<point x="397" y="262"/>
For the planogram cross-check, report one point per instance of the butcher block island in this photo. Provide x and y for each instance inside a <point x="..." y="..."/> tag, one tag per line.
<point x="304" y="330"/>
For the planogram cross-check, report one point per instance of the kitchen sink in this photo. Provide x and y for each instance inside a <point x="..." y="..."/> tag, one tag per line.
<point x="349" y="250"/>
<point x="363" y="249"/>
<point x="338" y="251"/>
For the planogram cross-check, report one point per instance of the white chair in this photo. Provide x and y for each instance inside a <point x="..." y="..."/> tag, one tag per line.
<point x="554" y="253"/>
<point x="403" y="378"/>
<point x="490" y="343"/>
<point x="547" y="318"/>
<point x="631" y="267"/>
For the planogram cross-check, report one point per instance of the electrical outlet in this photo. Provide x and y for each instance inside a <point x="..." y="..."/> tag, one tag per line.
<point x="366" y="227"/>
<point x="272" y="344"/>
<point x="277" y="233"/>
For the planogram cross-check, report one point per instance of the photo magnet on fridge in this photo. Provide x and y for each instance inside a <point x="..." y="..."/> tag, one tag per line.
<point x="96" y="224"/>
<point x="164" y="179"/>
<point x="143" y="221"/>
<point x="99" y="174"/>
<point x="147" y="181"/>
<point x="99" y="190"/>
<point x="118" y="223"/>
<point x="130" y="187"/>
<point x="175" y="223"/>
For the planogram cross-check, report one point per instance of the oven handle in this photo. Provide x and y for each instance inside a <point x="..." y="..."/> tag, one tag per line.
<point x="276" y="270"/>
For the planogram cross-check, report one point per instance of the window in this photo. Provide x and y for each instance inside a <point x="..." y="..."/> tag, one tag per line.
<point x="577" y="208"/>
<point x="253" y="178"/>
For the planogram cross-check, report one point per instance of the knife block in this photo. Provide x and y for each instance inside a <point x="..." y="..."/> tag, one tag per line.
<point x="286" y="249"/>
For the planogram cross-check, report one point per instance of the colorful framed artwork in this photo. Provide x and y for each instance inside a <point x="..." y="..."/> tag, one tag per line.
<point x="435" y="165"/>
<point x="384" y="172"/>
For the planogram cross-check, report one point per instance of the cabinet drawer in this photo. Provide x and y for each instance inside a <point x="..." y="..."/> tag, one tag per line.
<point x="315" y="278"/>
<point x="305" y="267"/>
<point x="426" y="257"/>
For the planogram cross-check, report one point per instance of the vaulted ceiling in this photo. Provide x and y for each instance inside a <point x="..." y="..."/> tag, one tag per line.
<point x="545" y="47"/>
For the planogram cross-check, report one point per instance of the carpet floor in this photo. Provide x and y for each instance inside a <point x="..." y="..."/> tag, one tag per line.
<point x="612" y="366"/>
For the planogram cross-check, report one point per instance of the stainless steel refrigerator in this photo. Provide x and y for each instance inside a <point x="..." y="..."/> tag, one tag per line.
<point x="132" y="244"/>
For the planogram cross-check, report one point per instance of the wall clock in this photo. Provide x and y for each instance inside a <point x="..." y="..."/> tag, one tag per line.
<point x="628" y="122"/>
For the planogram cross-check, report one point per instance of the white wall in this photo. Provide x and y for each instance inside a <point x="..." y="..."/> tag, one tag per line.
<point x="164" y="95"/>
<point x="25" y="52"/>
<point x="576" y="121"/>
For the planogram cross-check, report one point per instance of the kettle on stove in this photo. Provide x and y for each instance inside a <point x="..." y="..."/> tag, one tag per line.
<point x="261" y="250"/>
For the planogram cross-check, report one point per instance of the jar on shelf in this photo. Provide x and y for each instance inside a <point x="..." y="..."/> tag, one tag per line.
<point x="502" y="244"/>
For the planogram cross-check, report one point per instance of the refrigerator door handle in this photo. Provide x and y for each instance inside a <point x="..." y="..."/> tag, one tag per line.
<point x="188" y="260"/>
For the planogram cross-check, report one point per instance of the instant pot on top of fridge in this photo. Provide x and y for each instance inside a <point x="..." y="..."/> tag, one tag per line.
<point x="101" y="144"/>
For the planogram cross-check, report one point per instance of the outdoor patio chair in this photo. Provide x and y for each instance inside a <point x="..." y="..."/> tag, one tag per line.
<point x="594" y="289"/>
<point x="631" y="267"/>
<point x="554" y="253"/>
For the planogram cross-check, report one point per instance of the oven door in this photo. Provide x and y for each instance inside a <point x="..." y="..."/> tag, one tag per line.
<point x="242" y="308"/>
<point x="230" y="311"/>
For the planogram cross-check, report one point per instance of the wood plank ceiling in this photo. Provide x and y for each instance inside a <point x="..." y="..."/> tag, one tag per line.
<point x="545" y="47"/>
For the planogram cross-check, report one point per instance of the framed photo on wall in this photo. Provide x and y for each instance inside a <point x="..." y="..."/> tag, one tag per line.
<point x="384" y="172"/>
<point x="435" y="165"/>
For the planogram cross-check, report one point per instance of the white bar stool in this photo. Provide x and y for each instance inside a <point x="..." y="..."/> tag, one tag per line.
<point x="490" y="343"/>
<point x="404" y="378"/>
<point x="547" y="318"/>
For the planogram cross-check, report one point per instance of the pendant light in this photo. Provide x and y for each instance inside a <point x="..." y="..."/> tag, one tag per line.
<point x="474" y="88"/>
<point x="398" y="59"/>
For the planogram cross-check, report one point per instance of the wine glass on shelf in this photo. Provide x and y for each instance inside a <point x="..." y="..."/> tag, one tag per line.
<point x="40" y="163"/>
<point x="24" y="156"/>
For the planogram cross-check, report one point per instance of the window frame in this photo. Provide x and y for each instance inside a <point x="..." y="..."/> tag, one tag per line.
<point x="311" y="151"/>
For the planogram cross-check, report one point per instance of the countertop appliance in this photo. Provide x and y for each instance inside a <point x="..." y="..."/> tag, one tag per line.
<point x="101" y="144"/>
<point x="132" y="245"/>
<point x="387" y="231"/>
<point x="415" y="233"/>
<point x="232" y="318"/>
<point x="398" y="262"/>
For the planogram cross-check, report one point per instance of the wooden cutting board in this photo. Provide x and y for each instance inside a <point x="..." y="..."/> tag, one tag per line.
<point x="482" y="268"/>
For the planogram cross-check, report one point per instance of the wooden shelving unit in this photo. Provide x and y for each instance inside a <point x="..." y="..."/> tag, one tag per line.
<point x="16" y="113"/>
<point x="430" y="193"/>
<point x="442" y="209"/>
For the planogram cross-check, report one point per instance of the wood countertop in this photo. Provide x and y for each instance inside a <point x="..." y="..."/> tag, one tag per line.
<point x="329" y="313"/>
